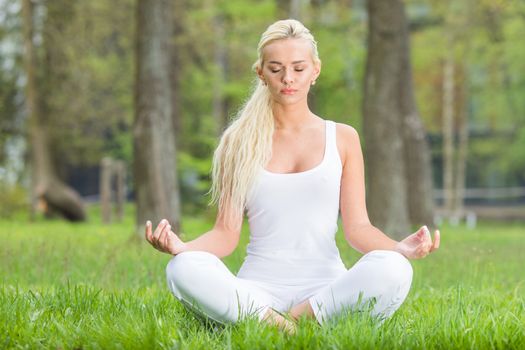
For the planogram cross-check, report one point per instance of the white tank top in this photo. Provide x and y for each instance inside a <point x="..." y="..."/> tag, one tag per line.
<point x="293" y="221"/>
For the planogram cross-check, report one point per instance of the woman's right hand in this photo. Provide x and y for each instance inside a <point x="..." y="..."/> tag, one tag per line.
<point x="163" y="239"/>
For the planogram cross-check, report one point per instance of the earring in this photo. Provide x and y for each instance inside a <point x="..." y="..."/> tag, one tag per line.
<point x="313" y="82"/>
<point x="264" y="82"/>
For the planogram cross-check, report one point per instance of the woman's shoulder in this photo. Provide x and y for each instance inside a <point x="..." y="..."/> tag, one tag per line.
<point x="347" y="139"/>
<point x="345" y="131"/>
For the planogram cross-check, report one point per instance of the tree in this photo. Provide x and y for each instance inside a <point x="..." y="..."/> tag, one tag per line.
<point x="52" y="193"/>
<point x="179" y="32"/>
<point x="220" y="58"/>
<point x="156" y="187"/>
<point x="397" y="157"/>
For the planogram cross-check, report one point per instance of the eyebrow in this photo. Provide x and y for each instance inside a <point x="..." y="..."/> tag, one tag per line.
<point x="294" y="62"/>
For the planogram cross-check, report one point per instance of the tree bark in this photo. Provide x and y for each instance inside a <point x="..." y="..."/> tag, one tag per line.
<point x="296" y="9"/>
<point x="448" y="135"/>
<point x="395" y="144"/>
<point x="156" y="187"/>
<point x="31" y="98"/>
<point x="289" y="9"/>
<point x="420" y="190"/>
<point x="220" y="55"/>
<point x="386" y="177"/>
<point x="175" y="49"/>
<point x="47" y="189"/>
<point x="106" y="190"/>
<point x="283" y="9"/>
<point x="461" y="160"/>
<point x="119" y="167"/>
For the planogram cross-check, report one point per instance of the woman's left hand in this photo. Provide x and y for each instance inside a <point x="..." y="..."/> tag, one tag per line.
<point x="419" y="244"/>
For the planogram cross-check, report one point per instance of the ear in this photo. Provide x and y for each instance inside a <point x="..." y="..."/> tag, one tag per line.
<point x="259" y="72"/>
<point x="317" y="70"/>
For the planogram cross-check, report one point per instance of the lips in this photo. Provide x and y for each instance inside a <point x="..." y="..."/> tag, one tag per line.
<point x="288" y="91"/>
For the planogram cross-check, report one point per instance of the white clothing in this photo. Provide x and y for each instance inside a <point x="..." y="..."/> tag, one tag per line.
<point x="292" y="255"/>
<point x="293" y="222"/>
<point x="204" y="284"/>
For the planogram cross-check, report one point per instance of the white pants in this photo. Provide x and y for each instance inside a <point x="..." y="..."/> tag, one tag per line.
<point x="381" y="280"/>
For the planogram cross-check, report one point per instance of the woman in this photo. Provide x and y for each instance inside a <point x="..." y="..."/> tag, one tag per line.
<point x="292" y="172"/>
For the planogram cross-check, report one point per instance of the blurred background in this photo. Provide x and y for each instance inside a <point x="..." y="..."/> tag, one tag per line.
<point x="79" y="80"/>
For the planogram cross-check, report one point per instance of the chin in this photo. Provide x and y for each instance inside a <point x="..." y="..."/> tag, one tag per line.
<point x="289" y="100"/>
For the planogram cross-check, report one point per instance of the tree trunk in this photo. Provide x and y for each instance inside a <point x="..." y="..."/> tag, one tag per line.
<point x="119" y="168"/>
<point x="106" y="190"/>
<point x="392" y="125"/>
<point x="461" y="159"/>
<point x="386" y="178"/>
<point x="221" y="61"/>
<point x="31" y="98"/>
<point x="295" y="9"/>
<point x="448" y="135"/>
<point x="156" y="187"/>
<point x="283" y="9"/>
<point x="47" y="189"/>
<point x="289" y="9"/>
<point x="420" y="190"/>
<point x="175" y="49"/>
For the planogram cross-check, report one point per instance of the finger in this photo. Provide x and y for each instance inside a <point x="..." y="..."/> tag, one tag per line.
<point x="156" y="238"/>
<point x="421" y="233"/>
<point x="159" y="229"/>
<point x="437" y="241"/>
<point x="148" y="231"/>
<point x="167" y="239"/>
<point x="427" y="239"/>
<point x="427" y="232"/>
<point x="162" y="238"/>
<point x="424" y="247"/>
<point x="156" y="234"/>
<point x="156" y="229"/>
<point x="422" y="251"/>
<point x="149" y="234"/>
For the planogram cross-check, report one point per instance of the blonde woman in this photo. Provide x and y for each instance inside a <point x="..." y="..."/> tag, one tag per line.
<point x="292" y="173"/>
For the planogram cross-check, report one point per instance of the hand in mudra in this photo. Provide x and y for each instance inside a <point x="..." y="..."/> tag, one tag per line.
<point x="419" y="244"/>
<point x="164" y="239"/>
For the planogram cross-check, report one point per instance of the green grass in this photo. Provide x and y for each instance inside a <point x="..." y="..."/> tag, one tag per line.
<point x="99" y="286"/>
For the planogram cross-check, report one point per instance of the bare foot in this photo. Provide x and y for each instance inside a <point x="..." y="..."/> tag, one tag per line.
<point x="274" y="318"/>
<point x="302" y="309"/>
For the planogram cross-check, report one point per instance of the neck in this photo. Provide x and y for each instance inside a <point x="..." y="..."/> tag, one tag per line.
<point x="289" y="117"/>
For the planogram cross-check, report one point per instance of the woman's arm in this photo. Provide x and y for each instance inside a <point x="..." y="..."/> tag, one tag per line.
<point x="359" y="232"/>
<point x="220" y="240"/>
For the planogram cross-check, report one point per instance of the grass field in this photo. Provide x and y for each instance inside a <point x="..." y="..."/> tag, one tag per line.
<point x="90" y="286"/>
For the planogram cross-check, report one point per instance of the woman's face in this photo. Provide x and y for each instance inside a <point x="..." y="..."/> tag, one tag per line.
<point x="288" y="70"/>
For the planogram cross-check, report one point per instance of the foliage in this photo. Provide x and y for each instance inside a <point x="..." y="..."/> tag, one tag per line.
<point x="97" y="286"/>
<point x="14" y="199"/>
<point x="11" y="118"/>
<point x="89" y="75"/>
<point x="195" y="180"/>
<point x="88" y="49"/>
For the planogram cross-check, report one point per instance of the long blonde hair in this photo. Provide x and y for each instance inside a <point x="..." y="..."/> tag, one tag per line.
<point x="246" y="145"/>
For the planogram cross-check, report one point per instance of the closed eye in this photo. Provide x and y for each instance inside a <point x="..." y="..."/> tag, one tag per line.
<point x="278" y="70"/>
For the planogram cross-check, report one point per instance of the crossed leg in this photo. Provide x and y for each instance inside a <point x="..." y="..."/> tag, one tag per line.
<point x="380" y="275"/>
<point x="202" y="281"/>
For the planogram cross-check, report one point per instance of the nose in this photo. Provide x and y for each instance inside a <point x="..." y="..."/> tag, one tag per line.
<point x="287" y="77"/>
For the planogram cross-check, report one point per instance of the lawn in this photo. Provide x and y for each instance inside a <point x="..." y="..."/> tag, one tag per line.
<point x="92" y="286"/>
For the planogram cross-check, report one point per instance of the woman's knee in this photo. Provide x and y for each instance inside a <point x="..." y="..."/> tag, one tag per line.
<point x="395" y="267"/>
<point x="184" y="266"/>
